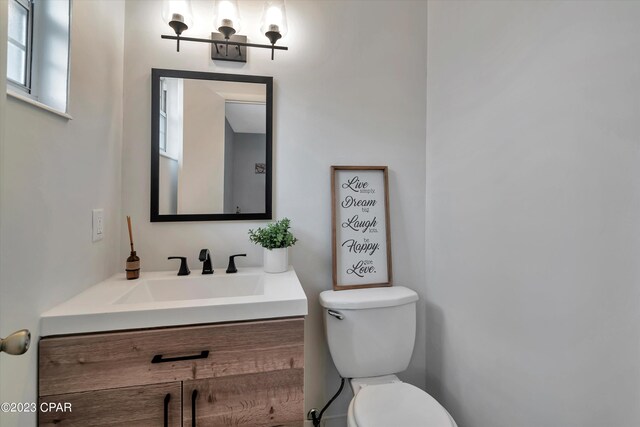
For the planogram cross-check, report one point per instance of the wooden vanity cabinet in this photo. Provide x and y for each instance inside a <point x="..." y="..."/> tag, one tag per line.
<point x="233" y="374"/>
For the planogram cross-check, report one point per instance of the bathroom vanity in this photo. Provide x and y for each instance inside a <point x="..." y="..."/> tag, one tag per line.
<point x="243" y="367"/>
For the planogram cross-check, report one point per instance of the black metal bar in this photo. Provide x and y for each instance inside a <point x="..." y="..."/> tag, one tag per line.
<point x="193" y="39"/>
<point x="167" y="398"/>
<point x="158" y="358"/>
<point x="194" y="396"/>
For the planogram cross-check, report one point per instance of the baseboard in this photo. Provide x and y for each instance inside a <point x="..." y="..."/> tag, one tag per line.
<point x="330" y="421"/>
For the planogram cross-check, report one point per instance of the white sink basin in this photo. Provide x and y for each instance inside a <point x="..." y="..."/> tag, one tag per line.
<point x="194" y="287"/>
<point x="164" y="299"/>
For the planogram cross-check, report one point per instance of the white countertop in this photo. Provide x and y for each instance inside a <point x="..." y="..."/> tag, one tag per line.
<point x="97" y="308"/>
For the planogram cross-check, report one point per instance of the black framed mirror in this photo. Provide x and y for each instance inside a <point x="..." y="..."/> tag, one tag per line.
<point x="211" y="146"/>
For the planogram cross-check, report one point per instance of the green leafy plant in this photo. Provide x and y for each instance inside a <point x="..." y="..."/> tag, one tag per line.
<point x="274" y="236"/>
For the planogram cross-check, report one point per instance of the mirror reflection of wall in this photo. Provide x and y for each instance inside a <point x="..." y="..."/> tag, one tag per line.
<point x="212" y="142"/>
<point x="245" y="147"/>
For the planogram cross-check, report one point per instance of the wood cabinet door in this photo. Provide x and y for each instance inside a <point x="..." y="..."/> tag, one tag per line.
<point x="77" y="363"/>
<point x="273" y="398"/>
<point x="150" y="405"/>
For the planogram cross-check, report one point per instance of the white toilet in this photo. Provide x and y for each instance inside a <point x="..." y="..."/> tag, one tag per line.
<point x="371" y="333"/>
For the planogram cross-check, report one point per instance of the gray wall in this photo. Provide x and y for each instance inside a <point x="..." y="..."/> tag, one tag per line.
<point x="248" y="187"/>
<point x="533" y="212"/>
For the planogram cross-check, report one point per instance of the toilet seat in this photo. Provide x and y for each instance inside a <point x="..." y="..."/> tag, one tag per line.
<point x="398" y="404"/>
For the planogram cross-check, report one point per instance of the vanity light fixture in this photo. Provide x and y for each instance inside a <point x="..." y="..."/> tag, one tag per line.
<point x="177" y="14"/>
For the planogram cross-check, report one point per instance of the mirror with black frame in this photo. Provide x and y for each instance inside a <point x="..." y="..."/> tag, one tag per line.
<point x="211" y="146"/>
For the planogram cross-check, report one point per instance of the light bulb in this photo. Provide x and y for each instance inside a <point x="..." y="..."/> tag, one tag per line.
<point x="177" y="14"/>
<point x="274" y="20"/>
<point x="226" y="17"/>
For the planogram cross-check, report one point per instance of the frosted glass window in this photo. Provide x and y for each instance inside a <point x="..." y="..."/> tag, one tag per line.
<point x="38" y="51"/>
<point x="18" y="16"/>
<point x="16" y="65"/>
<point x="163" y="120"/>
<point x="18" y="42"/>
<point x="163" y="133"/>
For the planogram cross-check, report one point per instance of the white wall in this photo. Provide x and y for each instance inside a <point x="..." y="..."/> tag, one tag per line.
<point x="201" y="176"/>
<point x="53" y="172"/>
<point x="533" y="208"/>
<point x="168" y="185"/>
<point x="228" y="167"/>
<point x="353" y="97"/>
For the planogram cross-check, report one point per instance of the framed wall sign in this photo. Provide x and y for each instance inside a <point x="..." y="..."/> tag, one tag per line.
<point x="361" y="234"/>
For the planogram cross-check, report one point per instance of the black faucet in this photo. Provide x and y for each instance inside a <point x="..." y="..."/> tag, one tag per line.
<point x="205" y="257"/>
<point x="184" y="268"/>
<point x="232" y="264"/>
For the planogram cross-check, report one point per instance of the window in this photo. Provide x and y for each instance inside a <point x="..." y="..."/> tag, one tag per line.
<point x="19" y="48"/>
<point x="163" y="118"/>
<point x="38" y="52"/>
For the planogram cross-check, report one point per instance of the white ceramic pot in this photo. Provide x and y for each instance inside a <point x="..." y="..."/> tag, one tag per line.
<point x="276" y="260"/>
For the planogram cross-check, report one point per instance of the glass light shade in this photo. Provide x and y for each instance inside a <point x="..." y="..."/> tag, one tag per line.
<point x="226" y="18"/>
<point x="274" y="20"/>
<point x="177" y="14"/>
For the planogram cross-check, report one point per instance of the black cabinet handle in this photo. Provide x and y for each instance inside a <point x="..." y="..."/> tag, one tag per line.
<point x="167" y="398"/>
<point x="158" y="358"/>
<point x="194" y="396"/>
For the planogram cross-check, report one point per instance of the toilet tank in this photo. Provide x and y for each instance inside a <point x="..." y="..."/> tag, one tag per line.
<point x="376" y="333"/>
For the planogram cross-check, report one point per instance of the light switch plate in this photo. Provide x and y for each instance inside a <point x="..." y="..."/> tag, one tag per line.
<point x="98" y="224"/>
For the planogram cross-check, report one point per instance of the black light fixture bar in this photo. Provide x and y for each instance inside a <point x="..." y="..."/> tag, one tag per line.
<point x="225" y="42"/>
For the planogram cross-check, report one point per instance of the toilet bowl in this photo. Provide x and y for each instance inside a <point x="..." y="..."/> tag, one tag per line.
<point x="396" y="404"/>
<point x="371" y="334"/>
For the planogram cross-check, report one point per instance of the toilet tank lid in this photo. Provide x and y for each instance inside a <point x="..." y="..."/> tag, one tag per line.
<point x="360" y="299"/>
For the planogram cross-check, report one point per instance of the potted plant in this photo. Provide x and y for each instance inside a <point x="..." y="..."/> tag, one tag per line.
<point x="275" y="238"/>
